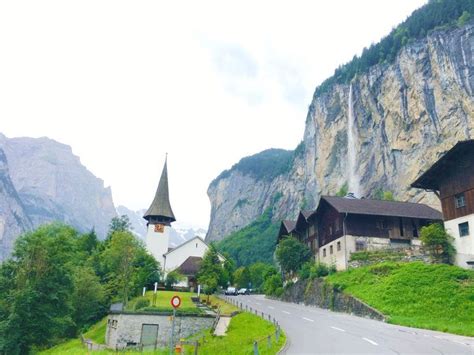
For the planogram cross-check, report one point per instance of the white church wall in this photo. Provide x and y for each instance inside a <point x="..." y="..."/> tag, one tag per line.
<point x="193" y="247"/>
<point x="157" y="243"/>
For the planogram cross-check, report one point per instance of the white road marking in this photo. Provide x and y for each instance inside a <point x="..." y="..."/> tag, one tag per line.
<point x="341" y="330"/>
<point x="286" y="312"/>
<point x="370" y="341"/>
<point x="309" y="320"/>
<point x="271" y="307"/>
<point x="258" y="303"/>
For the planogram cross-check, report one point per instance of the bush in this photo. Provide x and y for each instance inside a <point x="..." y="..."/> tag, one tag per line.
<point x="272" y="284"/>
<point x="140" y="303"/>
<point x="438" y="243"/>
<point x="172" y="278"/>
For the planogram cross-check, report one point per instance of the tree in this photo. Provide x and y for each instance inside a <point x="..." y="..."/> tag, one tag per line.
<point x="210" y="271"/>
<point x="439" y="243"/>
<point x="118" y="258"/>
<point x="39" y="310"/>
<point x="273" y="285"/>
<point x="172" y="279"/>
<point x="291" y="255"/>
<point x="242" y="277"/>
<point x="258" y="273"/>
<point x="119" y="224"/>
<point x="88" y="297"/>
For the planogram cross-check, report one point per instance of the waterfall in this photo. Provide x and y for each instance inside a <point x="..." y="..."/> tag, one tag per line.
<point x="465" y="63"/>
<point x="352" y="144"/>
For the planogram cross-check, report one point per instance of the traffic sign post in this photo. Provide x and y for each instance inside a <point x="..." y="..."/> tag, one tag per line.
<point x="175" y="303"/>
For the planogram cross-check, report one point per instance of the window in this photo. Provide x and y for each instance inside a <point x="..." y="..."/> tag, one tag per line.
<point x="330" y="249"/>
<point x="324" y="252"/>
<point x="459" y="200"/>
<point x="196" y="245"/>
<point x="337" y="225"/>
<point x="338" y="246"/>
<point x="382" y="224"/>
<point x="463" y="229"/>
<point x="330" y="230"/>
<point x="360" y="245"/>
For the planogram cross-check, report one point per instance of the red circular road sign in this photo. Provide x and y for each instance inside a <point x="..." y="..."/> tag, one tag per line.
<point x="176" y="301"/>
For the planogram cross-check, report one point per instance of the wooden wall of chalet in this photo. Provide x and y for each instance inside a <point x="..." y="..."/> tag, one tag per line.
<point x="459" y="179"/>
<point x="383" y="227"/>
<point x="330" y="224"/>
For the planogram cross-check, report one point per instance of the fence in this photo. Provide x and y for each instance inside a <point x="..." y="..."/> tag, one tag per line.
<point x="258" y="343"/>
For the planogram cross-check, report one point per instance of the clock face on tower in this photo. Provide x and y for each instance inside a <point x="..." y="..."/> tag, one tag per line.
<point x="159" y="228"/>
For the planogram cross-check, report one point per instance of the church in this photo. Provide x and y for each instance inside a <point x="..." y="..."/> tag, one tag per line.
<point x="185" y="258"/>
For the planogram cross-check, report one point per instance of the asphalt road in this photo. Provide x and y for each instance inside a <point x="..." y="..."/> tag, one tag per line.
<point x="311" y="330"/>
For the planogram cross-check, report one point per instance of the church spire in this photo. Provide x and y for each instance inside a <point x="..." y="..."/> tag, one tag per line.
<point x="160" y="210"/>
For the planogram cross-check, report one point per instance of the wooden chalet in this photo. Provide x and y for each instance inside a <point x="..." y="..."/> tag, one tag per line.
<point x="451" y="178"/>
<point x="342" y="225"/>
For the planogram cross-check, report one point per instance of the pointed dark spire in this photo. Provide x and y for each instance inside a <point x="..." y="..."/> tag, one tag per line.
<point x="160" y="210"/>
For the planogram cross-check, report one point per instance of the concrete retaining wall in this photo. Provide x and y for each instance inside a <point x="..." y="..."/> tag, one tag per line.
<point x="321" y="294"/>
<point x="125" y="329"/>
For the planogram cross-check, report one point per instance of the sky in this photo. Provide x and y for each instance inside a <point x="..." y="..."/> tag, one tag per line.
<point x="208" y="82"/>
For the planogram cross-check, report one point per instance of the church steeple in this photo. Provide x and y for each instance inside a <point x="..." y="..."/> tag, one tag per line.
<point x="160" y="210"/>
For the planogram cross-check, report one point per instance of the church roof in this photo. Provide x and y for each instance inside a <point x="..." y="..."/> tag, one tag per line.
<point x="161" y="207"/>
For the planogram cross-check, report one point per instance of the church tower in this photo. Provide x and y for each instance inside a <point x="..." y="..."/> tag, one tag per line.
<point x="159" y="218"/>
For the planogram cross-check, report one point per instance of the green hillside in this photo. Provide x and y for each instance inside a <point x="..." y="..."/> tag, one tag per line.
<point x="438" y="297"/>
<point x="253" y="243"/>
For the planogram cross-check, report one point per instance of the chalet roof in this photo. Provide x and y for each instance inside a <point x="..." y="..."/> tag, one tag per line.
<point x="190" y="266"/>
<point x="307" y="213"/>
<point x="382" y="208"/>
<point x="289" y="225"/>
<point x="161" y="207"/>
<point x="430" y="179"/>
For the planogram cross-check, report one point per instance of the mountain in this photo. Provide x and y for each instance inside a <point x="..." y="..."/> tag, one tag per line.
<point x="178" y="233"/>
<point x="371" y="127"/>
<point x="13" y="218"/>
<point x="46" y="182"/>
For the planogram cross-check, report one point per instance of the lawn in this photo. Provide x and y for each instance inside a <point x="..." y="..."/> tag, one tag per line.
<point x="163" y="301"/>
<point x="243" y="330"/>
<point x="438" y="297"/>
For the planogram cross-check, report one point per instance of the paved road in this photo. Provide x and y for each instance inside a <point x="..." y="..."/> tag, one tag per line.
<point x="311" y="330"/>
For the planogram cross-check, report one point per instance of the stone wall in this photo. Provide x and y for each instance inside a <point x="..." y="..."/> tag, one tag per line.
<point x="321" y="294"/>
<point x="125" y="328"/>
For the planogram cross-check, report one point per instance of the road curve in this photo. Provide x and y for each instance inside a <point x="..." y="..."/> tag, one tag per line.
<point x="312" y="330"/>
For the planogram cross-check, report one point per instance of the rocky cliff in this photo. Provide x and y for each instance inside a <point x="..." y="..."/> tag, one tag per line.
<point x="404" y="115"/>
<point x="49" y="183"/>
<point x="13" y="218"/>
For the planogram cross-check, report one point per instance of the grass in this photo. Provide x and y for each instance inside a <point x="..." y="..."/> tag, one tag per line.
<point x="226" y="308"/>
<point x="243" y="330"/>
<point x="438" y="297"/>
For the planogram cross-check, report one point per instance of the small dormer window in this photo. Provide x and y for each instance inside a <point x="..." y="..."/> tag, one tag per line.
<point x="196" y="245"/>
<point x="459" y="200"/>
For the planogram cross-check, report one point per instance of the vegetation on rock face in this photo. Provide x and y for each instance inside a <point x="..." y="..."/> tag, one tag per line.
<point x="60" y="282"/>
<point x="435" y="14"/>
<point x="438" y="297"/>
<point x="265" y="165"/>
<point x="253" y="243"/>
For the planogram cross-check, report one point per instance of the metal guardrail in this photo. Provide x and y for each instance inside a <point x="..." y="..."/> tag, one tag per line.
<point x="266" y="339"/>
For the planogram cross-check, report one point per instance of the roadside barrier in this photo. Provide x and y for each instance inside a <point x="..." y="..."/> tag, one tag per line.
<point x="268" y="339"/>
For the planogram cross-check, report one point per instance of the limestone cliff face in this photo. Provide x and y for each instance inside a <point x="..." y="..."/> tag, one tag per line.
<point x="13" y="218"/>
<point x="406" y="115"/>
<point x="53" y="185"/>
